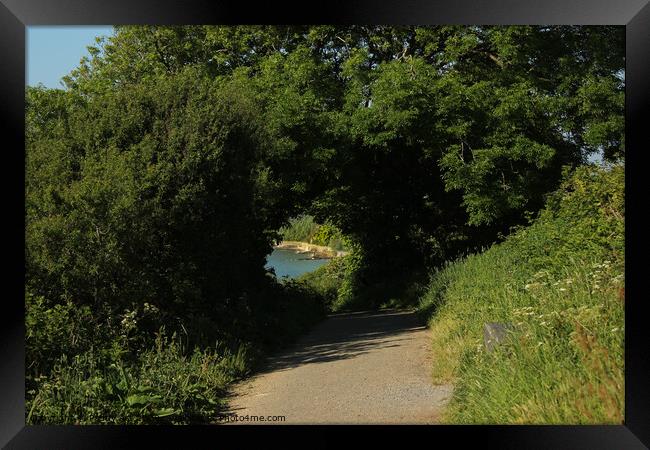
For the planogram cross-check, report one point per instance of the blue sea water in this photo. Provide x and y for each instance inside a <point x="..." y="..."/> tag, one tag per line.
<point x="290" y="264"/>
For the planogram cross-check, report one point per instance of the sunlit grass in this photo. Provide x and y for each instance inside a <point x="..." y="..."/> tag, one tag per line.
<point x="564" y="361"/>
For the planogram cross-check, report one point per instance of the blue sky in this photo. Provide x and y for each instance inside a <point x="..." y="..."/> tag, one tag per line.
<point x="53" y="51"/>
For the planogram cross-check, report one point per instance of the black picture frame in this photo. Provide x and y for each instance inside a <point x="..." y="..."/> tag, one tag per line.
<point x="16" y="15"/>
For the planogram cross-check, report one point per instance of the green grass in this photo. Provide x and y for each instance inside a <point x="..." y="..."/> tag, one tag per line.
<point x="162" y="385"/>
<point x="560" y="283"/>
<point x="99" y="367"/>
<point x="304" y="229"/>
<point x="300" y="229"/>
<point x="327" y="280"/>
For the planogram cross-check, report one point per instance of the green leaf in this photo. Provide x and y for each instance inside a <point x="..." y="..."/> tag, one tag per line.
<point x="164" y="412"/>
<point x="134" y="400"/>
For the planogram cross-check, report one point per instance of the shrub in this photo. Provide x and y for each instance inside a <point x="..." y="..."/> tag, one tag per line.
<point x="108" y="367"/>
<point x="162" y="385"/>
<point x="301" y="229"/>
<point x="327" y="280"/>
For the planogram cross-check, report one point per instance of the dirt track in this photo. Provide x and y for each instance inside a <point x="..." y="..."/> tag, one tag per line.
<point x="361" y="368"/>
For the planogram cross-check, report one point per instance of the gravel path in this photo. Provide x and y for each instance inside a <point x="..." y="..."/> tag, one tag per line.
<point x="361" y="368"/>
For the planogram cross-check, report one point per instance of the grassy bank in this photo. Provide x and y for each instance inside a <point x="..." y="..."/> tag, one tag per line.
<point x="96" y="367"/>
<point x="304" y="229"/>
<point x="560" y="283"/>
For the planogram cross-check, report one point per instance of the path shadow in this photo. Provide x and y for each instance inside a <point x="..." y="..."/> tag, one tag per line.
<point x="345" y="336"/>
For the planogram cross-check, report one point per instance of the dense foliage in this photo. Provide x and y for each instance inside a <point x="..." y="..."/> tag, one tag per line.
<point x="559" y="283"/>
<point x="304" y="229"/>
<point x="151" y="194"/>
<point x="407" y="134"/>
<point x="165" y="170"/>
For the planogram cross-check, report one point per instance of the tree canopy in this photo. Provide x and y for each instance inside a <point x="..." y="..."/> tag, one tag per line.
<point x="164" y="169"/>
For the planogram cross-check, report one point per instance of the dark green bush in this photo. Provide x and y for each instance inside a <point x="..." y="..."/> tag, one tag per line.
<point x="328" y="280"/>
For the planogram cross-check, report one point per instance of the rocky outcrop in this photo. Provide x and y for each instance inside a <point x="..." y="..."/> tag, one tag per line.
<point x="311" y="251"/>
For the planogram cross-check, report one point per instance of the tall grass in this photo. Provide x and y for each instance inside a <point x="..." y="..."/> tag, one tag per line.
<point x="164" y="384"/>
<point x="304" y="229"/>
<point x="560" y="284"/>
<point x="301" y="229"/>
